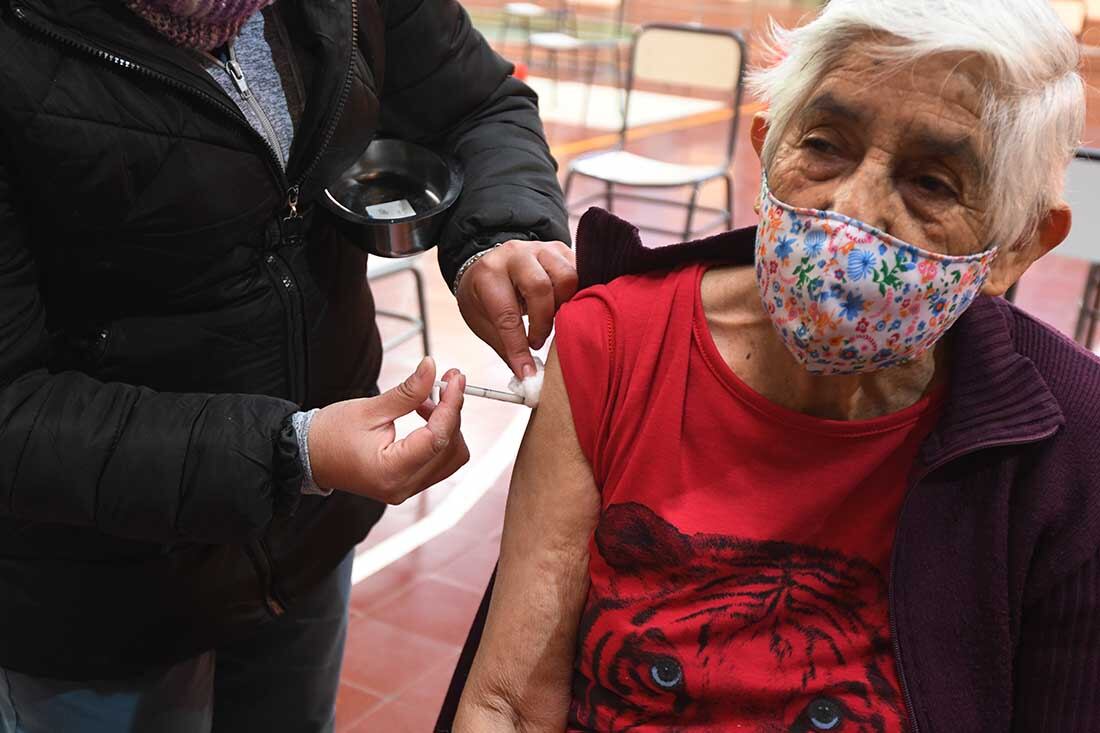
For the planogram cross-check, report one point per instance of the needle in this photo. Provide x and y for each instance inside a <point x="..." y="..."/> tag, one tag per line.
<point x="489" y="394"/>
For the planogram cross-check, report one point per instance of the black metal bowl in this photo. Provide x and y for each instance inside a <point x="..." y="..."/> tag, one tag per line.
<point x="392" y="201"/>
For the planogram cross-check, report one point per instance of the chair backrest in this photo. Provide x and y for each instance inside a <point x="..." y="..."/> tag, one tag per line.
<point x="1073" y="13"/>
<point x="693" y="56"/>
<point x="1082" y="193"/>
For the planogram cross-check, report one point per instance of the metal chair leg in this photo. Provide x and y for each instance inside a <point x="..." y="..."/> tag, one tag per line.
<point x="609" y="196"/>
<point x="1090" y="343"/>
<point x="553" y="67"/>
<point x="505" y="25"/>
<point x="1086" y="318"/>
<point x="527" y="44"/>
<point x="619" y="85"/>
<point x="567" y="186"/>
<point x="590" y="78"/>
<point x="691" y="211"/>
<point x="423" y="304"/>
<point x="729" y="200"/>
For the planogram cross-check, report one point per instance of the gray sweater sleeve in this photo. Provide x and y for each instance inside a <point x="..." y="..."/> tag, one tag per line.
<point x="302" y="422"/>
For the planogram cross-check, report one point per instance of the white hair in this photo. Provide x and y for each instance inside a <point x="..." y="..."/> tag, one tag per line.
<point x="1033" y="102"/>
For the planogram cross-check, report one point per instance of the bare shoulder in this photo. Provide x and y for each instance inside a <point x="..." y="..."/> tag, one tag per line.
<point x="551" y="445"/>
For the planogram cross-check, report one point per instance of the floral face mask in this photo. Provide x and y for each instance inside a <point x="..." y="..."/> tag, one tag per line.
<point x="846" y="297"/>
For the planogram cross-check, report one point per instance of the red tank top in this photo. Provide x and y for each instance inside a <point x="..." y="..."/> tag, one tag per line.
<point x="739" y="568"/>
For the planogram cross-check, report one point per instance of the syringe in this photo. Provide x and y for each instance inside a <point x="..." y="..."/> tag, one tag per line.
<point x="489" y="394"/>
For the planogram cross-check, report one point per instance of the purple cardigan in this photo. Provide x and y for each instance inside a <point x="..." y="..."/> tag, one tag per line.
<point x="995" y="581"/>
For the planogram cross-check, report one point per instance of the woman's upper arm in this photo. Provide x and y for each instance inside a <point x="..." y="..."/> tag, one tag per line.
<point x="521" y="676"/>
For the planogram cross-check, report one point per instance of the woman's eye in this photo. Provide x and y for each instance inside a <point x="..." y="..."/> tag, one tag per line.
<point x="935" y="186"/>
<point x="667" y="673"/>
<point x="819" y="144"/>
<point x="824" y="714"/>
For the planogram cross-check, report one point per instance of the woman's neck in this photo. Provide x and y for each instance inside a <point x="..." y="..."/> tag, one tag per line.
<point x="750" y="345"/>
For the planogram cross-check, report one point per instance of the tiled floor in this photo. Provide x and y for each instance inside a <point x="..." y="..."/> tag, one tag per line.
<point x="408" y="619"/>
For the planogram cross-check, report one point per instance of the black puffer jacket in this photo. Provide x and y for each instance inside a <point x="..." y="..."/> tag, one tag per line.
<point x="160" y="316"/>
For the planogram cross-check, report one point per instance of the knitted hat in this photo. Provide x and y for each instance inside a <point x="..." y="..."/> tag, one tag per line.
<point x="201" y="24"/>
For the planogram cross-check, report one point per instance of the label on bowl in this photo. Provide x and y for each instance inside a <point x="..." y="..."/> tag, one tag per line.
<point x="391" y="210"/>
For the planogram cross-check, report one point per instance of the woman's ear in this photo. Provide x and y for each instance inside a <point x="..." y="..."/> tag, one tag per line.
<point x="1012" y="263"/>
<point x="759" y="133"/>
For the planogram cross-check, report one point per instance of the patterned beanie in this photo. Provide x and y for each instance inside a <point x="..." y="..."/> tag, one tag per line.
<point x="200" y="24"/>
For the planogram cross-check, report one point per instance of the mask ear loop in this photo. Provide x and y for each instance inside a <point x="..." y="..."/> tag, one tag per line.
<point x="758" y="202"/>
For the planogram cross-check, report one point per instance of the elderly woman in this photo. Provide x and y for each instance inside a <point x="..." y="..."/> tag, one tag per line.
<point x="848" y="488"/>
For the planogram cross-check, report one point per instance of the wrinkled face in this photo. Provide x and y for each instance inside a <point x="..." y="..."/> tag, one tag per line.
<point x="904" y="151"/>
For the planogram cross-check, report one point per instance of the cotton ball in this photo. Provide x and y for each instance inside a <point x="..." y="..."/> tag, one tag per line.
<point x="531" y="387"/>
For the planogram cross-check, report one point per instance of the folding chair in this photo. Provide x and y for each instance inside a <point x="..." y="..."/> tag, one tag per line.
<point x="524" y="14"/>
<point x="679" y="56"/>
<point x="380" y="268"/>
<point x="568" y="39"/>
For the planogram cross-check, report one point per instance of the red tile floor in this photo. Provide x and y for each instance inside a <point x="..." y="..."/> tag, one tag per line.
<point x="408" y="619"/>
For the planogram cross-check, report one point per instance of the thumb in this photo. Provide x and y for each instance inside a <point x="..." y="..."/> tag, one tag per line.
<point x="515" y="349"/>
<point x="521" y="361"/>
<point x="410" y="394"/>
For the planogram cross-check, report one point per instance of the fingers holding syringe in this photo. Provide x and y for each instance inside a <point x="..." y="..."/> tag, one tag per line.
<point x="437" y="449"/>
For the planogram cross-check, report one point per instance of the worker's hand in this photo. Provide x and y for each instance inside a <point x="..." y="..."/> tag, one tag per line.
<point x="352" y="444"/>
<point x="517" y="278"/>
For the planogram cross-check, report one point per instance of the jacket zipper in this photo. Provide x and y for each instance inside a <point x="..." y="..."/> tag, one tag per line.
<point x="292" y="224"/>
<point x="923" y="474"/>
<point x="292" y="199"/>
<point x="236" y="74"/>
<point x="279" y="271"/>
<point x="277" y="267"/>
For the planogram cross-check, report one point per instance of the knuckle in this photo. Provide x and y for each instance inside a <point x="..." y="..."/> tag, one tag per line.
<point x="540" y="286"/>
<point x="406" y="389"/>
<point x="508" y="320"/>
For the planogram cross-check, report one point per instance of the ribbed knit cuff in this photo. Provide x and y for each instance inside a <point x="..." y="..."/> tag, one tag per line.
<point x="302" y="422"/>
